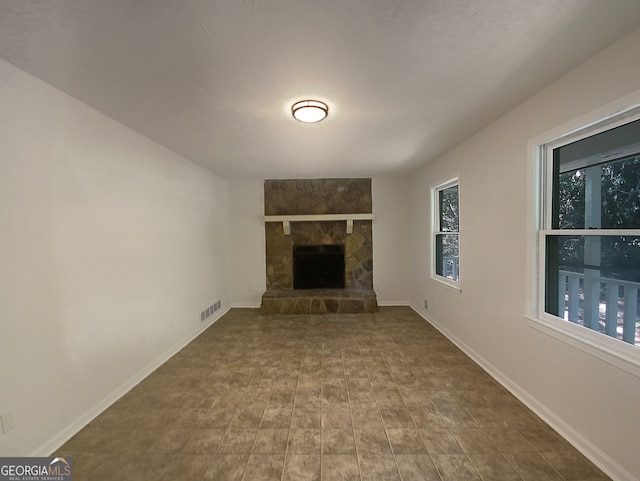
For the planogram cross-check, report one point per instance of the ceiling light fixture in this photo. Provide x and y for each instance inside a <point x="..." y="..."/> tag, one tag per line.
<point x="309" y="111"/>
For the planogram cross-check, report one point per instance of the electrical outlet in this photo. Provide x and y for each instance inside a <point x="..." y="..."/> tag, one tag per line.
<point x="426" y="305"/>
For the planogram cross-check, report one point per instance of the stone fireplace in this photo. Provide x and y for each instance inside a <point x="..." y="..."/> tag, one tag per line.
<point x="326" y="216"/>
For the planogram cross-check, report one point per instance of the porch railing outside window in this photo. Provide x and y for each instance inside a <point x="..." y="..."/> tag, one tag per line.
<point x="609" y="306"/>
<point x="450" y="267"/>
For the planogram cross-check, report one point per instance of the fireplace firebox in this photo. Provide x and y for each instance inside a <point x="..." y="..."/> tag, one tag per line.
<point x="318" y="266"/>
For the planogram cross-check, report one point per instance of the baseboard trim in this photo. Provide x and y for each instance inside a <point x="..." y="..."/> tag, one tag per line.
<point x="245" y="305"/>
<point x="62" y="437"/>
<point x="393" y="303"/>
<point x="602" y="460"/>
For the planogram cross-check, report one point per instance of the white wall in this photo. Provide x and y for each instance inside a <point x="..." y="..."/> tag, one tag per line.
<point x="247" y="256"/>
<point x="391" y="272"/>
<point x="110" y="247"/>
<point x="591" y="402"/>
<point x="390" y="259"/>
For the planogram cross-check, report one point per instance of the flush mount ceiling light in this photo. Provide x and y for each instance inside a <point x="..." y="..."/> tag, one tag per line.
<point x="309" y="111"/>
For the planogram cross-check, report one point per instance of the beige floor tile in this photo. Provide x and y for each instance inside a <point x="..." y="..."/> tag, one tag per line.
<point x="372" y="441"/>
<point x="509" y="440"/>
<point x="532" y="467"/>
<point x="440" y="441"/>
<point x="406" y="441"/>
<point x="336" y="418"/>
<point x="185" y="467"/>
<point x="544" y="439"/>
<point x="335" y="395"/>
<point x="226" y="467"/>
<point x="494" y="467"/>
<point x="366" y="417"/>
<point x="171" y="441"/>
<point x="396" y="417"/>
<point x="425" y="415"/>
<point x="237" y="441"/>
<point x="101" y="466"/>
<point x="474" y="440"/>
<point x="374" y="467"/>
<point x="266" y="386"/>
<point x="455" y="467"/>
<point x="571" y="465"/>
<point x="156" y="418"/>
<point x="417" y="467"/>
<point x="218" y="417"/>
<point x="309" y="397"/>
<point x="189" y="418"/>
<point x="389" y="398"/>
<point x="340" y="467"/>
<point x="338" y="441"/>
<point x="355" y="369"/>
<point x="203" y="441"/>
<point x="301" y="467"/>
<point x="261" y="467"/>
<point x="95" y="439"/>
<point x="304" y="441"/>
<point x="271" y="441"/>
<point x="307" y="417"/>
<point x="247" y="417"/>
<point x="281" y="397"/>
<point x="455" y="415"/>
<point x="276" y="418"/>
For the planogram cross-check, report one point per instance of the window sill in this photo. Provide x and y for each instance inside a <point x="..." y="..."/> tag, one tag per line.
<point x="448" y="284"/>
<point x="612" y="351"/>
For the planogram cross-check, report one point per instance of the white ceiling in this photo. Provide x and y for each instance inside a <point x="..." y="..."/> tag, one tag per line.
<point x="213" y="80"/>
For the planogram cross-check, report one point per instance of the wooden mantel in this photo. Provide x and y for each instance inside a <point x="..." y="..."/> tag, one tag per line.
<point x="287" y="219"/>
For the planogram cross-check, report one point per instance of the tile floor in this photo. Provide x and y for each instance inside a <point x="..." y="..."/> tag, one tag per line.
<point x="366" y="397"/>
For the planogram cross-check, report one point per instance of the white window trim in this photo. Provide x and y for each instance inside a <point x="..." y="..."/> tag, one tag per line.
<point x="449" y="284"/>
<point x="615" y="352"/>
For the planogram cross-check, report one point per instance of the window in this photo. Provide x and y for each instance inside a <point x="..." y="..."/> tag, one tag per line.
<point x="445" y="227"/>
<point x="589" y="244"/>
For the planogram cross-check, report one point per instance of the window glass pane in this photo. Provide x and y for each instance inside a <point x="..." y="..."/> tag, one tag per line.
<point x="621" y="194"/>
<point x="600" y="147"/>
<point x="448" y="211"/>
<point x="594" y="281"/>
<point x="612" y="188"/>
<point x="597" y="181"/>
<point x="447" y="256"/>
<point x="571" y="200"/>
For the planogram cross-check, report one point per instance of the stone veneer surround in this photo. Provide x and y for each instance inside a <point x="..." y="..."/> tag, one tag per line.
<point x="319" y="196"/>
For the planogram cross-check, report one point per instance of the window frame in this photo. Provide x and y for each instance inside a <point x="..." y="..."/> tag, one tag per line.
<point x="454" y="180"/>
<point x="540" y="184"/>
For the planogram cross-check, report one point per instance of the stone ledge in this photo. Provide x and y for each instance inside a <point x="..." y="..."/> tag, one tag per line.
<point x="319" y="301"/>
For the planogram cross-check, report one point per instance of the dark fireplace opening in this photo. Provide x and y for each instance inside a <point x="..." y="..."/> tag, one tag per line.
<point x="318" y="266"/>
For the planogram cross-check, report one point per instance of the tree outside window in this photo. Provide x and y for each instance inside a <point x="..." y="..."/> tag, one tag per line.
<point x="446" y="259"/>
